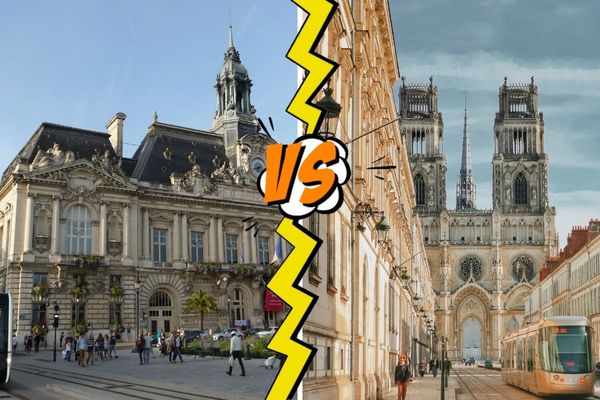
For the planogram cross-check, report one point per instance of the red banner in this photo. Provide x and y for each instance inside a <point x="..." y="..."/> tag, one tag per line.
<point x="273" y="303"/>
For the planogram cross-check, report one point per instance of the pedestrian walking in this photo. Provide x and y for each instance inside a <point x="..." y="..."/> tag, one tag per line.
<point x="177" y="348"/>
<point x="402" y="375"/>
<point x="163" y="345"/>
<point x="82" y="345"/>
<point x="447" y="366"/>
<point x="105" y="349"/>
<point x="422" y="368"/>
<point x="29" y="342"/>
<point x="169" y="343"/>
<point x="62" y="337"/>
<point x="235" y="351"/>
<point x="100" y="347"/>
<point x="139" y="344"/>
<point x="112" y="345"/>
<point x="90" y="349"/>
<point x="147" y="347"/>
<point x="36" y="343"/>
<point x="68" y="351"/>
<point x="434" y="364"/>
<point x="14" y="342"/>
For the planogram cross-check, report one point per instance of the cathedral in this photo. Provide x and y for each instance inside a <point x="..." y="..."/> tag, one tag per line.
<point x="483" y="261"/>
<point x="121" y="243"/>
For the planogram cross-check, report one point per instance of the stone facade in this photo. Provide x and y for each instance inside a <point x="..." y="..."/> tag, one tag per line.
<point x="366" y="313"/>
<point x="81" y="224"/>
<point x="570" y="283"/>
<point x="483" y="262"/>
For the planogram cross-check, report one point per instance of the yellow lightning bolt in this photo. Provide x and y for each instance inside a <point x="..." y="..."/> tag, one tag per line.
<point x="285" y="282"/>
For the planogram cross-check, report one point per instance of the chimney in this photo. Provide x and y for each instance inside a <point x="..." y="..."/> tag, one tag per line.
<point x="594" y="228"/>
<point x="115" y="130"/>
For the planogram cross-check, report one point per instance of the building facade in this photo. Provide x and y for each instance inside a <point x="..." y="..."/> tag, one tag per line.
<point x="375" y="292"/>
<point x="483" y="262"/>
<point x="121" y="242"/>
<point x="570" y="283"/>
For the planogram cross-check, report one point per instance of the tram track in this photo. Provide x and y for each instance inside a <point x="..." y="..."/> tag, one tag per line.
<point x="471" y="382"/>
<point x="478" y="387"/>
<point x="117" y="386"/>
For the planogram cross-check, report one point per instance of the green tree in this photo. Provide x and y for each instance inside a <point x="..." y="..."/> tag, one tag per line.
<point x="200" y="302"/>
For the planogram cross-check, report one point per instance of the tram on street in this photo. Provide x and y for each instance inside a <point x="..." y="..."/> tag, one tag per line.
<point x="5" y="336"/>
<point x="553" y="357"/>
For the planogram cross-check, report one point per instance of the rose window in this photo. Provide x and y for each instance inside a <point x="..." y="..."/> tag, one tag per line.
<point x="470" y="269"/>
<point x="522" y="269"/>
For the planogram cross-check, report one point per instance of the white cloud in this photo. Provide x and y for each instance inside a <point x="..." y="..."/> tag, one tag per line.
<point x="483" y="70"/>
<point x="574" y="208"/>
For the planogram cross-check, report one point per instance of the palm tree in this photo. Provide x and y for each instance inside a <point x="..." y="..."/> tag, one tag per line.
<point x="200" y="302"/>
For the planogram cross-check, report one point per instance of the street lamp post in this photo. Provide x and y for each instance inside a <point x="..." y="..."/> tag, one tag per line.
<point x="443" y="365"/>
<point x="229" y="318"/>
<point x="55" y="324"/>
<point x="137" y="305"/>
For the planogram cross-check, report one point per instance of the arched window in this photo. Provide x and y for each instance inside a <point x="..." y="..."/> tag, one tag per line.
<point x="78" y="231"/>
<point x="520" y="189"/>
<point x="160" y="298"/>
<point x="420" y="189"/>
<point x="513" y="325"/>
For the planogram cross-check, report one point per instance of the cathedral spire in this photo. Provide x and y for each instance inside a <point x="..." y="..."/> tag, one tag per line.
<point x="465" y="187"/>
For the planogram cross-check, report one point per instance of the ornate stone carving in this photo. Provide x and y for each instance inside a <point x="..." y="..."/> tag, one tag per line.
<point x="224" y="170"/>
<point x="51" y="157"/>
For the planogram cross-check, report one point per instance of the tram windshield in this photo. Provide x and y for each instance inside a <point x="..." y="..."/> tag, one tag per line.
<point x="566" y="349"/>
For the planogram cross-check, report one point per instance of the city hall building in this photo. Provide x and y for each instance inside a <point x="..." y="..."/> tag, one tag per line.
<point x="98" y="233"/>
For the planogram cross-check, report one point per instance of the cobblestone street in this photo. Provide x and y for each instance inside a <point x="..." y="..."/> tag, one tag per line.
<point x="124" y="378"/>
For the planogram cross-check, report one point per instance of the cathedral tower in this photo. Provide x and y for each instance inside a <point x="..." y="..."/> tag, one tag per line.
<point x="422" y="128"/>
<point x="465" y="187"/>
<point x="234" y="117"/>
<point x="519" y="163"/>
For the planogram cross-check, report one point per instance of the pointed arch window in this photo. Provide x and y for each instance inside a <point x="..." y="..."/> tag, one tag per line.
<point x="520" y="189"/>
<point x="78" y="231"/>
<point x="420" y="189"/>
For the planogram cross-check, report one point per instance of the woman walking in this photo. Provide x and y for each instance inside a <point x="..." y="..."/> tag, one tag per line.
<point x="139" y="344"/>
<point x="81" y="348"/>
<point x="422" y="368"/>
<point x="402" y="376"/>
<point x="100" y="347"/>
<point x="90" y="349"/>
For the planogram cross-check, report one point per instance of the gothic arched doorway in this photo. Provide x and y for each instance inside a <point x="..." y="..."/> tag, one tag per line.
<point x="471" y="339"/>
<point x="160" y="311"/>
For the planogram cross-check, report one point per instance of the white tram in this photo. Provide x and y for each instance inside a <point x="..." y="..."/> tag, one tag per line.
<point x="551" y="357"/>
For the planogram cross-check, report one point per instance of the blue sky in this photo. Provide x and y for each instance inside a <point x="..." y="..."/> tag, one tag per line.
<point x="471" y="45"/>
<point x="77" y="63"/>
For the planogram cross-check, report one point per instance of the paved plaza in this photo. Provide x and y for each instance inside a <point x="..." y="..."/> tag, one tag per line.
<point x="35" y="376"/>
